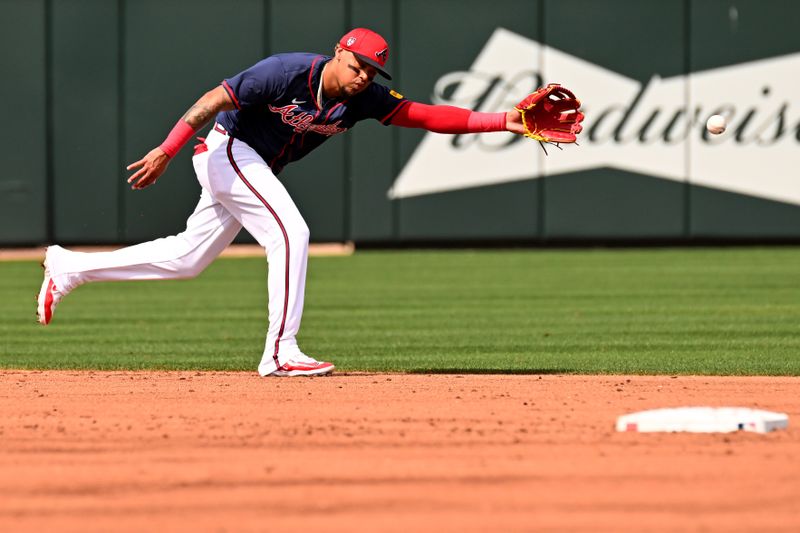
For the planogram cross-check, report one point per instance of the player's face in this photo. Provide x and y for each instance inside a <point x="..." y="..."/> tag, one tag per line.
<point x="352" y="74"/>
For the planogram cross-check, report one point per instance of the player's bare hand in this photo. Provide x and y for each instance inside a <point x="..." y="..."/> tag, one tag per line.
<point x="514" y="122"/>
<point x="149" y="168"/>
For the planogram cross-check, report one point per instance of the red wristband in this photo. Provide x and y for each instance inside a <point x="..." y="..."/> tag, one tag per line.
<point x="179" y="136"/>
<point x="478" y="121"/>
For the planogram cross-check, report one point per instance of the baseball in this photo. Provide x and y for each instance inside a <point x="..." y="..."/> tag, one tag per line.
<point x="716" y="124"/>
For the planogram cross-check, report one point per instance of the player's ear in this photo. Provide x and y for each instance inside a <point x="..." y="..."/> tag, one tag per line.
<point x="337" y="53"/>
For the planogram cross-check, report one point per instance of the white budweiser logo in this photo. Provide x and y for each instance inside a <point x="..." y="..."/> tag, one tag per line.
<point x="655" y="129"/>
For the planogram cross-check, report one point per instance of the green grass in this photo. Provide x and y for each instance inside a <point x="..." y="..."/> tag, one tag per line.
<point x="665" y="311"/>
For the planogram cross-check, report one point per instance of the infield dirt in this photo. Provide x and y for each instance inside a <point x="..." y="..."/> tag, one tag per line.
<point x="186" y="451"/>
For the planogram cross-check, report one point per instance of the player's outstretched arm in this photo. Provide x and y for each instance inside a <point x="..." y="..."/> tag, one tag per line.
<point x="151" y="166"/>
<point x="550" y="114"/>
<point x="451" y="119"/>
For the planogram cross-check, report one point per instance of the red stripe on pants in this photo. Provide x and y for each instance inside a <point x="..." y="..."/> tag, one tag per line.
<point x="285" y="240"/>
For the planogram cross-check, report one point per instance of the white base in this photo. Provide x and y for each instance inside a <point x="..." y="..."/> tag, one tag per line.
<point x="703" y="420"/>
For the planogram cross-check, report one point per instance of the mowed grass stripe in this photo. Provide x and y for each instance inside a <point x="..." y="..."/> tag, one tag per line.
<point x="673" y="311"/>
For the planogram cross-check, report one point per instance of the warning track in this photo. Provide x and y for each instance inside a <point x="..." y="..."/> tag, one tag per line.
<point x="234" y="250"/>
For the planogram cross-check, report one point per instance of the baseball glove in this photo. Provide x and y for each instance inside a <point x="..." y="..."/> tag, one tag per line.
<point x="551" y="115"/>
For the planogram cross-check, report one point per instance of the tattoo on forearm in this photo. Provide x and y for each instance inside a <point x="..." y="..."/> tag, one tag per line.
<point x="198" y="115"/>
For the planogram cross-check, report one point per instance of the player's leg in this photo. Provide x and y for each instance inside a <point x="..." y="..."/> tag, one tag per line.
<point x="208" y="231"/>
<point x="249" y="190"/>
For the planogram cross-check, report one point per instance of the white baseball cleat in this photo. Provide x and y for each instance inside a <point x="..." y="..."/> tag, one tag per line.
<point x="49" y="294"/>
<point x="303" y="365"/>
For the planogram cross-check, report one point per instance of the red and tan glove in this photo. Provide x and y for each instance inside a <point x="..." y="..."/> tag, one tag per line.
<point x="551" y="115"/>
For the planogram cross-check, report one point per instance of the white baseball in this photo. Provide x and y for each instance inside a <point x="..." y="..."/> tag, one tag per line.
<point x="716" y="124"/>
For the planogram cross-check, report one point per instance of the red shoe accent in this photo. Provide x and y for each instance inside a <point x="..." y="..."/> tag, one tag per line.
<point x="296" y="368"/>
<point x="48" y="302"/>
<point x="47" y="299"/>
<point x="49" y="295"/>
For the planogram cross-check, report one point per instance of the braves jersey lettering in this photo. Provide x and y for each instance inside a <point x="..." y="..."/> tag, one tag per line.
<point x="278" y="114"/>
<point x="302" y="122"/>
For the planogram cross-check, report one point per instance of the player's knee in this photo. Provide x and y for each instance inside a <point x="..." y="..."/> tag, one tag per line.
<point x="193" y="270"/>
<point x="301" y="233"/>
<point x="185" y="269"/>
<point x="296" y="236"/>
<point x="185" y="261"/>
<point x="190" y="266"/>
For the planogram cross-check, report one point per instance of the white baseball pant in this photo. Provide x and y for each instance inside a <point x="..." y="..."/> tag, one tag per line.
<point x="239" y="190"/>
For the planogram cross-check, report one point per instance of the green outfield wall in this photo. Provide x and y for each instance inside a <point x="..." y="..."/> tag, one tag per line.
<point x="92" y="85"/>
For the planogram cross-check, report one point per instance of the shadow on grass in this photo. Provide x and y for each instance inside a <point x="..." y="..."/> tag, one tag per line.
<point x="490" y="371"/>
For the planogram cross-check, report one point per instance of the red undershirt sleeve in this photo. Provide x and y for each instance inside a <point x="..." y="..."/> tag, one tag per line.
<point x="447" y="119"/>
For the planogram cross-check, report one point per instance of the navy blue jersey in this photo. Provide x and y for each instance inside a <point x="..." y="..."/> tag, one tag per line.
<point x="277" y="112"/>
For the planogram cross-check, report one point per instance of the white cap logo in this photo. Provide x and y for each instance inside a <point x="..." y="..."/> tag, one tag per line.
<point x="350" y="41"/>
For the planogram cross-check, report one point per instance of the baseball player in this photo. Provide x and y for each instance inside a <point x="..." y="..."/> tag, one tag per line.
<point x="265" y="117"/>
